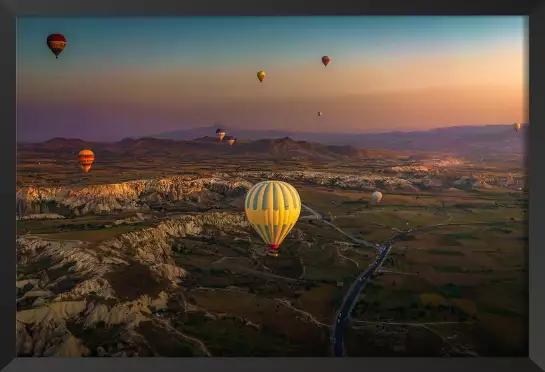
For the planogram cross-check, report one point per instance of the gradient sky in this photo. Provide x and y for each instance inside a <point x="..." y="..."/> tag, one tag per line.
<point x="136" y="76"/>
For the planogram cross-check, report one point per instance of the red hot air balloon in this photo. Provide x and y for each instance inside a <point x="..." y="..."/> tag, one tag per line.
<point x="56" y="43"/>
<point x="326" y="60"/>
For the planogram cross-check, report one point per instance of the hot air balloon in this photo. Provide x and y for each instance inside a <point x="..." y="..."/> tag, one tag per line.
<point x="376" y="197"/>
<point x="56" y="43"/>
<point x="231" y="140"/>
<point x="517" y="127"/>
<point x="319" y="113"/>
<point x="86" y="159"/>
<point x="220" y="133"/>
<point x="326" y="60"/>
<point x="273" y="208"/>
<point x="261" y="75"/>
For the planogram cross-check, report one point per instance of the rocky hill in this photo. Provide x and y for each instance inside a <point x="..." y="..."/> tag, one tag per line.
<point x="118" y="284"/>
<point x="191" y="191"/>
<point x="126" y="196"/>
<point x="278" y="148"/>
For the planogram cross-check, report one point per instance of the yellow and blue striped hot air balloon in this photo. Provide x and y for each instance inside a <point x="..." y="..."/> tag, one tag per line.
<point x="273" y="208"/>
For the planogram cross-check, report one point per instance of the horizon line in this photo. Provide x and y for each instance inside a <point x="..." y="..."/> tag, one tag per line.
<point x="154" y="136"/>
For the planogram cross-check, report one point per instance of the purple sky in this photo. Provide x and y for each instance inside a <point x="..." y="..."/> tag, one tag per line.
<point x="139" y="76"/>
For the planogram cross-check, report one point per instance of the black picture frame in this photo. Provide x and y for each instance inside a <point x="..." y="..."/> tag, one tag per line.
<point x="534" y="9"/>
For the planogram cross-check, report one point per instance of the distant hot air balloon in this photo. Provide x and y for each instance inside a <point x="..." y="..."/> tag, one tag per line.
<point x="517" y="127"/>
<point x="326" y="60"/>
<point x="376" y="197"/>
<point x="231" y="140"/>
<point x="220" y="133"/>
<point x="261" y="75"/>
<point x="273" y="208"/>
<point x="56" y="43"/>
<point x="319" y="113"/>
<point x="86" y="159"/>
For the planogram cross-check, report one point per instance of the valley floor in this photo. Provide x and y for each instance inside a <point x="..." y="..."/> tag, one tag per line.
<point x="168" y="266"/>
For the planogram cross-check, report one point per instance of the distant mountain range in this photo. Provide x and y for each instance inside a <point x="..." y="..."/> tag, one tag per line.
<point x="210" y="147"/>
<point x="476" y="142"/>
<point x="460" y="140"/>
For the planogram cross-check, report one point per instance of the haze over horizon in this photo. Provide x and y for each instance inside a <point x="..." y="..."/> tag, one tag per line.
<point x="121" y="77"/>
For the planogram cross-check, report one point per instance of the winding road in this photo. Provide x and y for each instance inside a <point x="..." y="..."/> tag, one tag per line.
<point x="351" y="297"/>
<point x="353" y="293"/>
<point x="343" y="314"/>
<point x="357" y="286"/>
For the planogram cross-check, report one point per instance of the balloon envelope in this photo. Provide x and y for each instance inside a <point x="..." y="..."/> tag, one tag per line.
<point x="56" y="43"/>
<point x="517" y="127"/>
<point x="326" y="60"/>
<point x="273" y="208"/>
<point x="231" y="140"/>
<point x="319" y="113"/>
<point x="220" y="133"/>
<point x="261" y="75"/>
<point x="86" y="159"/>
<point x="376" y="197"/>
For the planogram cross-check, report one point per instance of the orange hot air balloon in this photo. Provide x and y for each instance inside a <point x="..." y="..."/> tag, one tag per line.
<point x="86" y="159"/>
<point x="231" y="140"/>
<point x="261" y="75"/>
<point x="326" y="60"/>
<point x="517" y="127"/>
<point x="56" y="43"/>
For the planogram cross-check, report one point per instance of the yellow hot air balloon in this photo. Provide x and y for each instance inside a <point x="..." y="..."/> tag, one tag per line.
<point x="86" y="159"/>
<point x="273" y="208"/>
<point x="261" y="75"/>
<point x="517" y="127"/>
